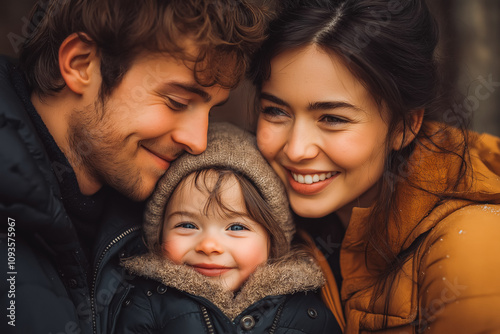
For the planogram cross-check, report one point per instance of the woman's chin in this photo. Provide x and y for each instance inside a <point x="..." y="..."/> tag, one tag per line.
<point x="309" y="211"/>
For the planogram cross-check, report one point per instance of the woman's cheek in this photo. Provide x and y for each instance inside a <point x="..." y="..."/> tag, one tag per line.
<point x="268" y="140"/>
<point x="353" y="151"/>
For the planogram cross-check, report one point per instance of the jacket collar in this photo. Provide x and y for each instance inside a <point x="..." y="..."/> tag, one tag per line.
<point x="287" y="277"/>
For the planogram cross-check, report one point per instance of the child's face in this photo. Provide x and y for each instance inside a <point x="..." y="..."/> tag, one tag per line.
<point x="222" y="248"/>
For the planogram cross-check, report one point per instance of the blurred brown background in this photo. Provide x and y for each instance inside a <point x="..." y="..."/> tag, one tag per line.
<point x="470" y="48"/>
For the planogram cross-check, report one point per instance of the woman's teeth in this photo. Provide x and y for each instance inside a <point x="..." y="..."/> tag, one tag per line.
<point x="312" y="178"/>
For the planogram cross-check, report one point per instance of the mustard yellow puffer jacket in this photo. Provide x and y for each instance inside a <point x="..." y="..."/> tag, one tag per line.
<point x="451" y="283"/>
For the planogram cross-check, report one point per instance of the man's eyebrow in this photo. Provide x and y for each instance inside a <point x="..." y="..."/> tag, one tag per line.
<point x="274" y="99"/>
<point x="192" y="89"/>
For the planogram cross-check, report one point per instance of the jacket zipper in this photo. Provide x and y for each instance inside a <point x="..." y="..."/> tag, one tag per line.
<point x="210" y="327"/>
<point x="276" y="319"/>
<point x="94" y="278"/>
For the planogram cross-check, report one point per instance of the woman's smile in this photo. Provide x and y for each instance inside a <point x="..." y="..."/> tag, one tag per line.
<point x="309" y="183"/>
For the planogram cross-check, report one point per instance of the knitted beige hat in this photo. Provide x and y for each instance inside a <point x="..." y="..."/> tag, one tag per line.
<point x="228" y="147"/>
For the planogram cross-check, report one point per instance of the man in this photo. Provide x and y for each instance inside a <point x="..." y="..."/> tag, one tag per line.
<point x="105" y="96"/>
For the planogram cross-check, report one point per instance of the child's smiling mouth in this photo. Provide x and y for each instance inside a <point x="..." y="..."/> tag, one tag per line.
<point x="211" y="270"/>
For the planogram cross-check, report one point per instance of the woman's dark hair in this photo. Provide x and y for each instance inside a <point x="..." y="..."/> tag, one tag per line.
<point x="226" y="32"/>
<point x="389" y="46"/>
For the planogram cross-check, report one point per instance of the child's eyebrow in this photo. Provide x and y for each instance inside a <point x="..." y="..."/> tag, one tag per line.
<point x="235" y="214"/>
<point x="227" y="215"/>
<point x="182" y="213"/>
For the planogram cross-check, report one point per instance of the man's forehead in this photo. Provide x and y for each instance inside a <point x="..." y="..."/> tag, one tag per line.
<point x="170" y="72"/>
<point x="201" y="74"/>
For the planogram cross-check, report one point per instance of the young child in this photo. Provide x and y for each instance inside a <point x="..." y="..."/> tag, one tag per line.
<point x="219" y="229"/>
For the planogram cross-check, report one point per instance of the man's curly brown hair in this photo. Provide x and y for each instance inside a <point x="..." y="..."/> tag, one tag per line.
<point x="225" y="33"/>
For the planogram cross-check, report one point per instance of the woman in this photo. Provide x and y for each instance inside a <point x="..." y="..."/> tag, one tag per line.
<point x="401" y="201"/>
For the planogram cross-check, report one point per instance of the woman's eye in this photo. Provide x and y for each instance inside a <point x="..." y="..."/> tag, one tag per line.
<point x="175" y="105"/>
<point x="237" y="227"/>
<point x="186" y="225"/>
<point x="331" y="119"/>
<point x="273" y="111"/>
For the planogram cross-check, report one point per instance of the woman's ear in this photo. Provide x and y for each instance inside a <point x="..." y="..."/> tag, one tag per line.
<point x="78" y="62"/>
<point x="406" y="134"/>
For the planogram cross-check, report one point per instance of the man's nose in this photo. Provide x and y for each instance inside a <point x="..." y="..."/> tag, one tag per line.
<point x="192" y="134"/>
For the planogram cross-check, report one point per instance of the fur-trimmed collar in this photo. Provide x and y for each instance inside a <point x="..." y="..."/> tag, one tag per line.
<point x="281" y="278"/>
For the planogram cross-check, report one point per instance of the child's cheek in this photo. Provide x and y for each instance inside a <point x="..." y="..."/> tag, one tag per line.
<point x="173" y="250"/>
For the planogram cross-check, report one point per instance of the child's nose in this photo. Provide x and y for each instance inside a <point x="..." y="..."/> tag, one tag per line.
<point x="209" y="245"/>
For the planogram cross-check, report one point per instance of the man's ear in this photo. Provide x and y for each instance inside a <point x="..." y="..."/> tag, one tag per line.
<point x="78" y="62"/>
<point x="407" y="134"/>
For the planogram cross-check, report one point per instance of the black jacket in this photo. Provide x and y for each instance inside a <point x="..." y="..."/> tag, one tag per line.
<point x="279" y="298"/>
<point x="54" y="284"/>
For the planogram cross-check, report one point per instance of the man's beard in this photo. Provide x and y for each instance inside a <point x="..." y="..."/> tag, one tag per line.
<point x="95" y="149"/>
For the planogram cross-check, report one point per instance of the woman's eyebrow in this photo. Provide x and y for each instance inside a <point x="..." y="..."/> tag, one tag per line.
<point x="329" y="105"/>
<point x="326" y="105"/>
<point x="273" y="99"/>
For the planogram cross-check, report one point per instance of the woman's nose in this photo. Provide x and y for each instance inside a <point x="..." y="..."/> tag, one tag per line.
<point x="301" y="144"/>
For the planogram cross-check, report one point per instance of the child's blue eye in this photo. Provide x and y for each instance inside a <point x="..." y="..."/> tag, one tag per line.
<point x="237" y="227"/>
<point x="186" y="225"/>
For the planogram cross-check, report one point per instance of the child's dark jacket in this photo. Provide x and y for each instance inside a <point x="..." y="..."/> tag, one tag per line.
<point x="278" y="298"/>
